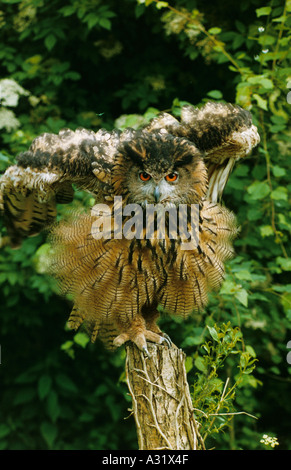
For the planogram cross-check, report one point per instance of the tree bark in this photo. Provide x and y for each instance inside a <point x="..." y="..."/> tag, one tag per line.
<point x="161" y="400"/>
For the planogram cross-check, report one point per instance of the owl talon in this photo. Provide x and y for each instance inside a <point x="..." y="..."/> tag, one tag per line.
<point x="166" y="339"/>
<point x="120" y="340"/>
<point x="146" y="352"/>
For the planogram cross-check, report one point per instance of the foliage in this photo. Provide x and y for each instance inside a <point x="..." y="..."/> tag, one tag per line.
<point x="213" y="400"/>
<point x="102" y="63"/>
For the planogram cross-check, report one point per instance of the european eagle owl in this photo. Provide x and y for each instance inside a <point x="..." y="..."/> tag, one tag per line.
<point x="119" y="276"/>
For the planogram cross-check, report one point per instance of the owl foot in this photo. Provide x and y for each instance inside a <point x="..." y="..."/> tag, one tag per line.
<point x="167" y="339"/>
<point x="140" y="340"/>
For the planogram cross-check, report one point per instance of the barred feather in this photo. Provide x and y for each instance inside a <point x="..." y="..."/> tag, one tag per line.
<point x="118" y="283"/>
<point x="138" y="273"/>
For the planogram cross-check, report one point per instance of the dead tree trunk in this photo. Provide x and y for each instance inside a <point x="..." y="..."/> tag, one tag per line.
<point x="161" y="400"/>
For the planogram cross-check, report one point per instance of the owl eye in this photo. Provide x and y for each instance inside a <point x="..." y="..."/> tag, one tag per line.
<point x="144" y="176"/>
<point x="171" y="177"/>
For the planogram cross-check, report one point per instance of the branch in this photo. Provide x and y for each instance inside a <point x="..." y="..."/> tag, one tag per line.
<point x="161" y="400"/>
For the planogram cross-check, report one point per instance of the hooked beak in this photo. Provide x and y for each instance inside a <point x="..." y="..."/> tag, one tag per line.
<point x="157" y="194"/>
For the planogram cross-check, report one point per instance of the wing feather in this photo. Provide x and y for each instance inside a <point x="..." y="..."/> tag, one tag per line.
<point x="224" y="133"/>
<point x="44" y="176"/>
<point x="46" y="173"/>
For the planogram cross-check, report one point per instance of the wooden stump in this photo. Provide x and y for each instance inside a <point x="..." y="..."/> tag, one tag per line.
<point x="161" y="400"/>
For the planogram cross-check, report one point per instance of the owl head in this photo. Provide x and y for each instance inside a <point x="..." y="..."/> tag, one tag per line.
<point x="159" y="168"/>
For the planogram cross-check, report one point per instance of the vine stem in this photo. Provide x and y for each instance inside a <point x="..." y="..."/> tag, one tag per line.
<point x="204" y="31"/>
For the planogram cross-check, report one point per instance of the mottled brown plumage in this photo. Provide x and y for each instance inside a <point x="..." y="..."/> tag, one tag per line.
<point x="118" y="281"/>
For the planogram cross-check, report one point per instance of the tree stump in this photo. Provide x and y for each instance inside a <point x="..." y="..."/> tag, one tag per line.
<point x="161" y="401"/>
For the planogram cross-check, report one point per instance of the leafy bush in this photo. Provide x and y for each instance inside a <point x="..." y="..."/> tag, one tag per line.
<point x="93" y="63"/>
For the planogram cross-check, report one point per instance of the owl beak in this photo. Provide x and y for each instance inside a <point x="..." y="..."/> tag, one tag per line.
<point x="157" y="194"/>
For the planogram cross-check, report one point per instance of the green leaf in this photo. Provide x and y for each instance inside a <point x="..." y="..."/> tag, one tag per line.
<point x="214" y="31"/>
<point x="82" y="339"/>
<point x="68" y="10"/>
<point x="188" y="364"/>
<point x="67" y="345"/>
<point x="66" y="383"/>
<point x="4" y="430"/>
<point x="216" y="94"/>
<point x="258" y="190"/>
<point x="92" y="19"/>
<point x="266" y="40"/>
<point x="53" y="408"/>
<point x="200" y="364"/>
<point x="280" y="193"/>
<point x="244" y="275"/>
<point x="49" y="432"/>
<point x="105" y="23"/>
<point x="242" y="297"/>
<point x="285" y="288"/>
<point x="254" y="214"/>
<point x="25" y="395"/>
<point x="251" y="350"/>
<point x="285" y="263"/>
<point x="44" y="386"/>
<point x="228" y="287"/>
<point x="160" y="5"/>
<point x="262" y="103"/>
<point x="263" y="11"/>
<point x="213" y="333"/>
<point x="267" y="83"/>
<point x="266" y="231"/>
<point x="286" y="303"/>
<point x="50" y="41"/>
<point x="278" y="171"/>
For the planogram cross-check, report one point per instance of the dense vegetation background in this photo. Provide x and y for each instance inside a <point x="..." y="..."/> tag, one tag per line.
<point x="108" y="63"/>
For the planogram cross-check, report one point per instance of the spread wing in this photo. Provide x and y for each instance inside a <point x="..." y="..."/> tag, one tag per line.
<point x="45" y="175"/>
<point x="223" y="132"/>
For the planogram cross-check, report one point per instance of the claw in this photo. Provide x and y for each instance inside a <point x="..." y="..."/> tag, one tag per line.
<point x="166" y="339"/>
<point x="120" y="339"/>
<point x="146" y="353"/>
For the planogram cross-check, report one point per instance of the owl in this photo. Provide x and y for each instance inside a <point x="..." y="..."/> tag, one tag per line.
<point x="118" y="277"/>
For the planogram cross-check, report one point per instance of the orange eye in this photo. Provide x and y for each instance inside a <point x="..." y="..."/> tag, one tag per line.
<point x="171" y="177"/>
<point x="144" y="176"/>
